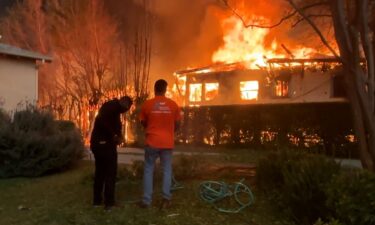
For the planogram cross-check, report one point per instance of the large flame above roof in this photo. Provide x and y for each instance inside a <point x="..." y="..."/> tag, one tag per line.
<point x="243" y="44"/>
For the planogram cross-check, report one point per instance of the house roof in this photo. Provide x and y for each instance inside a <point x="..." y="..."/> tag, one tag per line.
<point x="15" y="51"/>
<point x="224" y="67"/>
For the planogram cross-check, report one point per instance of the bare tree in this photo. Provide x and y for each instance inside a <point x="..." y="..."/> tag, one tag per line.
<point x="139" y="50"/>
<point x="30" y="35"/>
<point x="138" y="61"/>
<point x="354" y="37"/>
<point x="85" y="38"/>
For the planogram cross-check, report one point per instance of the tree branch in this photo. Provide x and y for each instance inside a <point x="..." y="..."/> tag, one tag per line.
<point x="310" y="16"/>
<point x="286" y="17"/>
<point x="316" y="29"/>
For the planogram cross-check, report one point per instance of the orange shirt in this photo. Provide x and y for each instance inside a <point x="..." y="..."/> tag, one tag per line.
<point x="160" y="115"/>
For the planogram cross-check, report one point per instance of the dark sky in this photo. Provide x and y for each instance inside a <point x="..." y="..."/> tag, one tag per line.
<point x="4" y="4"/>
<point x="186" y="33"/>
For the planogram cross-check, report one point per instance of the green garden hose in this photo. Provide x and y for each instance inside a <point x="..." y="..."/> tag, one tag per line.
<point x="226" y="198"/>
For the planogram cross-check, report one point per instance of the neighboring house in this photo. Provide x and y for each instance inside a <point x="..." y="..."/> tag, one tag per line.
<point x="283" y="81"/>
<point x="19" y="76"/>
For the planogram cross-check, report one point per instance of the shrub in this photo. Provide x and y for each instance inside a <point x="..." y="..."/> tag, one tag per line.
<point x="4" y="118"/>
<point x="305" y="182"/>
<point x="351" y="196"/>
<point x="33" y="144"/>
<point x="269" y="169"/>
<point x="296" y="181"/>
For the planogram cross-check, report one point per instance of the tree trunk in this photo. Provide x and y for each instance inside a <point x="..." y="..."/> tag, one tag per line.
<point x="361" y="132"/>
<point x="350" y="38"/>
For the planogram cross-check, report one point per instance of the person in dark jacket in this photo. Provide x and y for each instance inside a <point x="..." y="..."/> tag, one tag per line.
<point x="105" y="137"/>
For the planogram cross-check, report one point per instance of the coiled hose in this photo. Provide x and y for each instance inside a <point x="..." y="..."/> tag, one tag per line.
<point x="226" y="198"/>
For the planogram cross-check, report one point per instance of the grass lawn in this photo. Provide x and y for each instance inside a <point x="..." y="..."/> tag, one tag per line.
<point x="66" y="199"/>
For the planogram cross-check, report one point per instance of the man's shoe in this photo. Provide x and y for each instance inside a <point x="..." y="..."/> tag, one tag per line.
<point x="142" y="205"/>
<point x="165" y="204"/>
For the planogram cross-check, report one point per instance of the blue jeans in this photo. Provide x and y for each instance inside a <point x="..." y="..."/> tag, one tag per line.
<point x="151" y="154"/>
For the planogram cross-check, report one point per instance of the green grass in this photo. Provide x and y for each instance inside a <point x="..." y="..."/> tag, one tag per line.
<point x="66" y="199"/>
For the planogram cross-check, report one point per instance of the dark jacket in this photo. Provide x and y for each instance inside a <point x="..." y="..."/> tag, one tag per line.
<point x="107" y="123"/>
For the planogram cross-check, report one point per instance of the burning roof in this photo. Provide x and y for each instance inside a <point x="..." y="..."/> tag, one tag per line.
<point x="224" y="67"/>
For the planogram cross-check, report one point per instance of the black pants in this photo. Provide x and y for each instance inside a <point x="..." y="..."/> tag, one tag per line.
<point x="105" y="173"/>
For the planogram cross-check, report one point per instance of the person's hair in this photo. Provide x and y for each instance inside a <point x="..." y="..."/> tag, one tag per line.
<point x="126" y="99"/>
<point x="160" y="86"/>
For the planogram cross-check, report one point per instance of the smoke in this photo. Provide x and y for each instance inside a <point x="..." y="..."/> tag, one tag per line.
<point x="187" y="32"/>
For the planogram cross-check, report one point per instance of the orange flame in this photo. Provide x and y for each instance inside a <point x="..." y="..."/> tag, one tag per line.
<point x="247" y="45"/>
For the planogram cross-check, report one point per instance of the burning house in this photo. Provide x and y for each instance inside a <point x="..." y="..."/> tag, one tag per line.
<point x="260" y="93"/>
<point x="254" y="66"/>
<point x="297" y="102"/>
<point x="282" y="81"/>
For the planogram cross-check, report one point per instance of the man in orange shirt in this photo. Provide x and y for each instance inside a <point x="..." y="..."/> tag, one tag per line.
<point x="160" y="116"/>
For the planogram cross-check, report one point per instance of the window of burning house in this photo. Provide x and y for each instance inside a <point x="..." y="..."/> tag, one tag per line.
<point x="249" y="90"/>
<point x="195" y="91"/>
<point x="281" y="88"/>
<point x="211" y="91"/>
